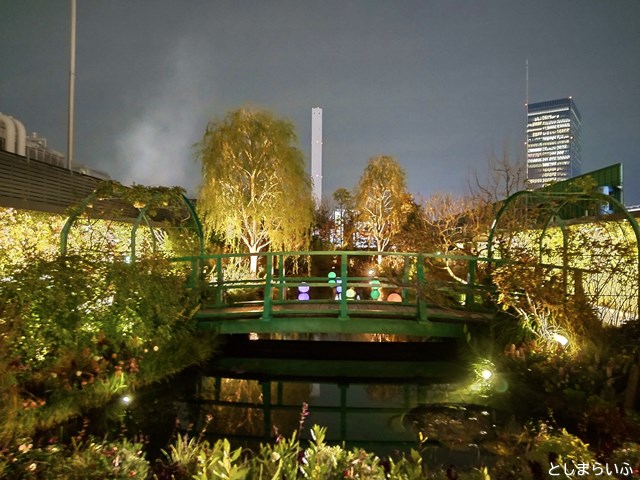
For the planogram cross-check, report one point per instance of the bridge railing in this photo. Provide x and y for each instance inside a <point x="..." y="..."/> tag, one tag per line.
<point x="348" y="281"/>
<point x="416" y="286"/>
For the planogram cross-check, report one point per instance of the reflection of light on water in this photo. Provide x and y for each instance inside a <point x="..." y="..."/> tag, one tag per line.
<point x="315" y="390"/>
<point x="256" y="390"/>
<point x="248" y="411"/>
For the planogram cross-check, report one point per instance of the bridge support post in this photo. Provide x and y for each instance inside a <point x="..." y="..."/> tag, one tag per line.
<point x="469" y="298"/>
<point x="266" y="409"/>
<point x="266" y="311"/>
<point x="422" y="306"/>
<point x="218" y="387"/>
<point x="344" y="312"/>
<point x="405" y="279"/>
<point x="407" y="396"/>
<point x="281" y="277"/>
<point x="343" y="412"/>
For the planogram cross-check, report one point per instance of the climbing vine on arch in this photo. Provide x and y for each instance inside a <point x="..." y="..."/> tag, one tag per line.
<point x="124" y="222"/>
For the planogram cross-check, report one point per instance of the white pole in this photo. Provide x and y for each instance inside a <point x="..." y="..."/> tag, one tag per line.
<point x="72" y="82"/>
<point x="526" y="123"/>
<point x="316" y="154"/>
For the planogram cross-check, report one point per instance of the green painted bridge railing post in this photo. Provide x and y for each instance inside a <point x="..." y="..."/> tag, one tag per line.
<point x="421" y="304"/>
<point x="281" y="277"/>
<point x="344" y="312"/>
<point x="469" y="298"/>
<point x="266" y="309"/>
<point x="219" y="280"/>
<point x="405" y="278"/>
<point x="193" y="275"/>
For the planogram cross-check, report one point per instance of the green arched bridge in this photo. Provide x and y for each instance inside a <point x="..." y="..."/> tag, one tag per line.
<point x="343" y="292"/>
<point x="415" y="294"/>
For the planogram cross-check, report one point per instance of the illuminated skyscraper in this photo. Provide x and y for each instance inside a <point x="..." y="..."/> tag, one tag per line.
<point x="553" y="142"/>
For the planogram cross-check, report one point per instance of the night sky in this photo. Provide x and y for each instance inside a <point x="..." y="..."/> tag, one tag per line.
<point x="439" y="85"/>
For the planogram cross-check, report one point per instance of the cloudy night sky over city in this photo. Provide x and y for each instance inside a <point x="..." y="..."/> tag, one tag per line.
<point x="439" y="85"/>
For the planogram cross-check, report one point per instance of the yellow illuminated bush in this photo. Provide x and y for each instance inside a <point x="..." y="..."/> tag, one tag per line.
<point x="77" y="330"/>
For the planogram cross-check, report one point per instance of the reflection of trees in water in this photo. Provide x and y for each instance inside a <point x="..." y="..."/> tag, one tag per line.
<point x="293" y="394"/>
<point x="240" y="420"/>
<point x="385" y="393"/>
<point x="247" y="417"/>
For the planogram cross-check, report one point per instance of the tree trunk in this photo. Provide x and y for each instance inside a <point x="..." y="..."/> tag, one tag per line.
<point x="253" y="266"/>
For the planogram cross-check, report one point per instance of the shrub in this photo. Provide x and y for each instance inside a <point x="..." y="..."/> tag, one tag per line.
<point x="78" y="330"/>
<point x="89" y="460"/>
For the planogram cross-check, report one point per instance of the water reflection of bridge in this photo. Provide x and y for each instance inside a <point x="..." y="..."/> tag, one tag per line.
<point x="361" y="360"/>
<point x="362" y="396"/>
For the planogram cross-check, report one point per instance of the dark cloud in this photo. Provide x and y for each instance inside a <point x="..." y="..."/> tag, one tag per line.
<point x="437" y="84"/>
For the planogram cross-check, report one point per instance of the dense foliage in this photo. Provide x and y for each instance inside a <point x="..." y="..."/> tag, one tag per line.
<point x="533" y="454"/>
<point x="78" y="330"/>
<point x="382" y="200"/>
<point x="255" y="192"/>
<point x="25" y="235"/>
<point x="120" y="222"/>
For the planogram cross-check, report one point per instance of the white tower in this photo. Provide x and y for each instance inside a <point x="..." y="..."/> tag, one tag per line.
<point x="316" y="153"/>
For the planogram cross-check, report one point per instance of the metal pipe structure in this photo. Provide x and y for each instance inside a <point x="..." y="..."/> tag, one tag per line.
<point x="72" y="82"/>
<point x="9" y="133"/>
<point x="21" y="138"/>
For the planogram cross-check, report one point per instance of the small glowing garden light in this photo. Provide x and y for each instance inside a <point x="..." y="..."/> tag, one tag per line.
<point x="375" y="289"/>
<point x="394" y="297"/>
<point x="484" y="372"/>
<point x="303" y="292"/>
<point x="487" y="379"/>
<point x="126" y="399"/>
<point x="561" y="339"/>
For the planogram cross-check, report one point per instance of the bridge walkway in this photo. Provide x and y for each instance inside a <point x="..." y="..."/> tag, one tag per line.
<point x="281" y="301"/>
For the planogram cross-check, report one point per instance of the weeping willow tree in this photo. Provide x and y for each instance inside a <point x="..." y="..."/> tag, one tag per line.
<point x="255" y="191"/>
<point x="382" y="201"/>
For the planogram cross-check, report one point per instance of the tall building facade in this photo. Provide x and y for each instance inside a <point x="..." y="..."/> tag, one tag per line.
<point x="316" y="153"/>
<point x="553" y="142"/>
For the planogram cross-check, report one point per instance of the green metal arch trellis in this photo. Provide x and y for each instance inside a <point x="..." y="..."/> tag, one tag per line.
<point x="563" y="199"/>
<point x="141" y="217"/>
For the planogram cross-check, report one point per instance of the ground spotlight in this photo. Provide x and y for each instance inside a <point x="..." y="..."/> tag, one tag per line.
<point x="561" y="339"/>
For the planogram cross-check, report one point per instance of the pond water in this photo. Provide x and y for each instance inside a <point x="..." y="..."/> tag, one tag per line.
<point x="373" y="395"/>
